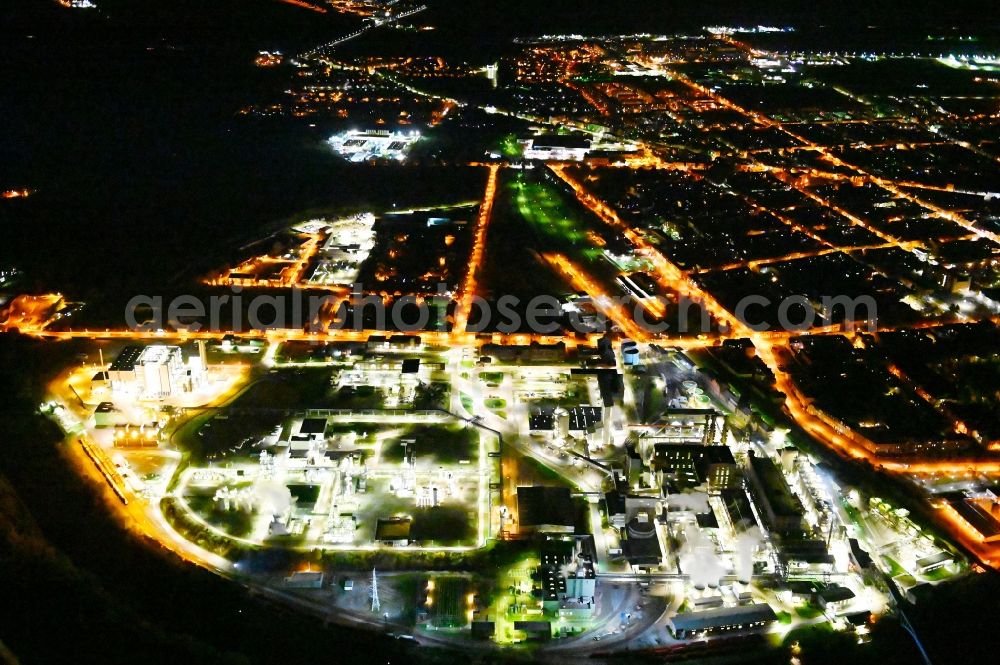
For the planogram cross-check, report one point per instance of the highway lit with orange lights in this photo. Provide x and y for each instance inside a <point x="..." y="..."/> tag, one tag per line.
<point x="583" y="282"/>
<point x="467" y="291"/>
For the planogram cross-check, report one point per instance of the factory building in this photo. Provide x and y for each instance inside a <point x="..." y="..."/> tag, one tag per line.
<point x="834" y="597"/>
<point x="755" y="617"/>
<point x="681" y="425"/>
<point x="544" y="509"/>
<point x="559" y="147"/>
<point x="780" y="508"/>
<point x="155" y="371"/>
<point x="982" y="515"/>
<point x="569" y="581"/>
<point x="641" y="545"/>
<point x="560" y="423"/>
<point x="693" y="465"/>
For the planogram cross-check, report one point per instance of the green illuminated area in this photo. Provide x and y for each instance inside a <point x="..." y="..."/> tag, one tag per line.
<point x="910" y="554"/>
<point x="513" y="600"/>
<point x="573" y="244"/>
<point x="514" y="265"/>
<point x="448" y="602"/>
<point x="545" y="209"/>
<point x="510" y="148"/>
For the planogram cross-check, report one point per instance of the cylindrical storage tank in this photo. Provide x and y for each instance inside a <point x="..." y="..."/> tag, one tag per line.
<point x="630" y="356"/>
<point x="700" y="402"/>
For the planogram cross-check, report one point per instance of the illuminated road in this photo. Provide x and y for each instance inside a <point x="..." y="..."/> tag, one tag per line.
<point x="669" y="276"/>
<point x="304" y="5"/>
<point x="138" y="516"/>
<point x="468" y="289"/>
<point x="753" y="264"/>
<point x="583" y="282"/>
